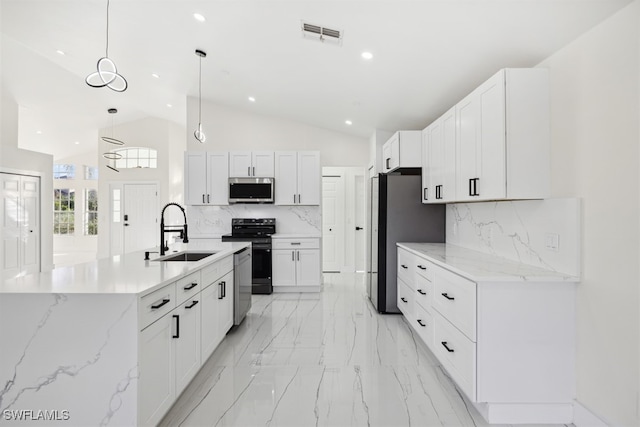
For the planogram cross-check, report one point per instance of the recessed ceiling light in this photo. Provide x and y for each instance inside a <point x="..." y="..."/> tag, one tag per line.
<point x="252" y="99"/>
<point x="77" y="142"/>
<point x="59" y="52"/>
<point x="169" y="105"/>
<point x="39" y="132"/>
<point x="367" y="55"/>
<point x="348" y="122"/>
<point x="199" y="17"/>
<point x="155" y="75"/>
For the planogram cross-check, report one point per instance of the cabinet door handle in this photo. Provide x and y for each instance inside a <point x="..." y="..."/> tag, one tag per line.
<point x="387" y="163"/>
<point x="421" y="292"/>
<point x="298" y="255"/>
<point x="475" y="187"/>
<point x="293" y="256"/>
<point x="191" y="286"/>
<point x="296" y="243"/>
<point x="220" y="291"/>
<point x="438" y="192"/>
<point x="177" y="334"/>
<point x="193" y="304"/>
<point x="403" y="300"/>
<point x="444" y="294"/>
<point x="422" y="267"/>
<point x="208" y="200"/>
<point x="294" y="199"/>
<point x="420" y="323"/>
<point x="424" y="194"/>
<point x="299" y="199"/>
<point x="203" y="198"/>
<point x="254" y="171"/>
<point x="157" y="306"/>
<point x="403" y="266"/>
<point x="444" y="343"/>
<point x="224" y="289"/>
<point x="470" y="186"/>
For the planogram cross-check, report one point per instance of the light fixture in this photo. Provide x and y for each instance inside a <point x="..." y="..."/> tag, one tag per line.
<point x="199" y="134"/>
<point x="60" y="52"/>
<point x="155" y="75"/>
<point x="169" y="105"/>
<point x="107" y="74"/>
<point x="198" y="17"/>
<point x="252" y="99"/>
<point x="348" y="122"/>
<point x="39" y="132"/>
<point x="367" y="55"/>
<point x="77" y="142"/>
<point x="111" y="139"/>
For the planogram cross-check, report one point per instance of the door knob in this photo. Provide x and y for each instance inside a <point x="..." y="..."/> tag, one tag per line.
<point x="126" y="225"/>
<point x="331" y="229"/>
<point x="358" y="228"/>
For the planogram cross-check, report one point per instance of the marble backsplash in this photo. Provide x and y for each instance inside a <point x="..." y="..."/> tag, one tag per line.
<point x="521" y="231"/>
<point x="213" y="221"/>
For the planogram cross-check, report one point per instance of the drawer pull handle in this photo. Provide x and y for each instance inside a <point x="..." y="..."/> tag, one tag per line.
<point x="296" y="243"/>
<point x="444" y="294"/>
<point x="403" y="266"/>
<point x="420" y="323"/>
<point x="191" y="286"/>
<point x="421" y="292"/>
<point x="403" y="300"/>
<point x="157" y="306"/>
<point x="444" y="343"/>
<point x="193" y="304"/>
<point x="422" y="267"/>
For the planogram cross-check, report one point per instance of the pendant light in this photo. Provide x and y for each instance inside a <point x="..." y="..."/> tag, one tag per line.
<point x="199" y="133"/>
<point x="112" y="155"/>
<point x="107" y="74"/>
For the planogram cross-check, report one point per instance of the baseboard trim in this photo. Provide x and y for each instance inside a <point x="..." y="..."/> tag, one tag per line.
<point x="583" y="417"/>
<point x="295" y="289"/>
<point x="526" y="413"/>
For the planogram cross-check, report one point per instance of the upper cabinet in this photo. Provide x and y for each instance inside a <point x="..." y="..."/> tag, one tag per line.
<point x="402" y="150"/>
<point x="297" y="178"/>
<point x="251" y="163"/>
<point x="439" y="160"/>
<point x="502" y="138"/>
<point x="206" y="178"/>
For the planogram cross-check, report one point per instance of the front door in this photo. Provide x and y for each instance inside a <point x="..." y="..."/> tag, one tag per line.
<point x="140" y="217"/>
<point x="332" y="223"/>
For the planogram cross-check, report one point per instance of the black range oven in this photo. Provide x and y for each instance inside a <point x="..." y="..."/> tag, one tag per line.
<point x="258" y="231"/>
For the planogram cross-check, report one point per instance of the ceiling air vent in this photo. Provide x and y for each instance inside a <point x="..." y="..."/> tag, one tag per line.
<point x="323" y="34"/>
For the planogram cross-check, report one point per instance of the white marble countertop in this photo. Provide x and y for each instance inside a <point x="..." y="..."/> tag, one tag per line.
<point x="120" y="274"/>
<point x="296" y="236"/>
<point x="482" y="267"/>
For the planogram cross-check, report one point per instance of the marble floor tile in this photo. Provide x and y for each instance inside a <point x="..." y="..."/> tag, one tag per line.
<point x="326" y="359"/>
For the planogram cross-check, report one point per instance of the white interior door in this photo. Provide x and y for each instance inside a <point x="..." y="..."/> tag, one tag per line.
<point x="360" y="219"/>
<point x="332" y="223"/>
<point x="140" y="217"/>
<point x="20" y="210"/>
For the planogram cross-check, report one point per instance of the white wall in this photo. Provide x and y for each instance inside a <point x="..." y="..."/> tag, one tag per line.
<point x="595" y="96"/>
<point x="231" y="129"/>
<point x="166" y="137"/>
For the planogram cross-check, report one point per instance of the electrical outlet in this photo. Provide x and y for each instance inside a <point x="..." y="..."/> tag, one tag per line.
<point x="552" y="241"/>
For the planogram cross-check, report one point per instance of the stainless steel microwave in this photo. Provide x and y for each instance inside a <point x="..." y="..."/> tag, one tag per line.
<point x="251" y="190"/>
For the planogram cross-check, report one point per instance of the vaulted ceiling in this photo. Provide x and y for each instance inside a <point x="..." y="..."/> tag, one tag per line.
<point x="426" y="55"/>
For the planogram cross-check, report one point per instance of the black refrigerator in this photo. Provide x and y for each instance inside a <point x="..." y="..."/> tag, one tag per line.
<point x="396" y="215"/>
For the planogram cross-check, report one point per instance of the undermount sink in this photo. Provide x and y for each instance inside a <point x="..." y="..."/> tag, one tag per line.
<point x="186" y="256"/>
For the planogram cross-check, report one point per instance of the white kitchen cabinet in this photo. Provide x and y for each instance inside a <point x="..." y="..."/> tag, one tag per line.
<point x="206" y="178"/>
<point x="217" y="307"/>
<point x="209" y="327"/>
<point x="251" y="163"/>
<point x="402" y="150"/>
<point x="225" y="305"/>
<point x="157" y="371"/>
<point x="506" y="340"/>
<point x="187" y="341"/>
<point x="439" y="160"/>
<point x="297" y="178"/>
<point x="296" y="262"/>
<point x="502" y="138"/>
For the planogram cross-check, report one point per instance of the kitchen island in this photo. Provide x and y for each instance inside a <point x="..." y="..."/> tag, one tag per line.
<point x="113" y="341"/>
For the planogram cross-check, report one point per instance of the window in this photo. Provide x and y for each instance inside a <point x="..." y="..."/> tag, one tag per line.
<point x="115" y="203"/>
<point x="136" y="157"/>
<point x="64" y="171"/>
<point x="63" y="211"/>
<point x="90" y="173"/>
<point x="90" y="212"/>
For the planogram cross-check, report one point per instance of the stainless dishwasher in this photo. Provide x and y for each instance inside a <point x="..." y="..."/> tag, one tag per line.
<point x="242" y="284"/>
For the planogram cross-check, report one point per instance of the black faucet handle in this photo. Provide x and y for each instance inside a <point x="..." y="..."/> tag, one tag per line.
<point x="146" y="254"/>
<point x="184" y="235"/>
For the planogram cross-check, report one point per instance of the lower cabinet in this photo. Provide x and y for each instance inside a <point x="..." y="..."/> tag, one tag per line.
<point x="508" y="344"/>
<point x="179" y="333"/>
<point x="296" y="262"/>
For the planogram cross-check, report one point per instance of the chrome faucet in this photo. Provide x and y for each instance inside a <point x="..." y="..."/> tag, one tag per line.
<point x="172" y="228"/>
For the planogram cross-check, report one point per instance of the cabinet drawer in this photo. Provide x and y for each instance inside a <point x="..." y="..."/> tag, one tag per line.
<point x="213" y="272"/>
<point x="406" y="260"/>
<point x="405" y="300"/>
<point x="424" y="268"/>
<point x="187" y="287"/>
<point x="155" y="305"/>
<point x="307" y="243"/>
<point x="424" y="292"/>
<point x="456" y="353"/>
<point x="455" y="298"/>
<point x="424" y="325"/>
